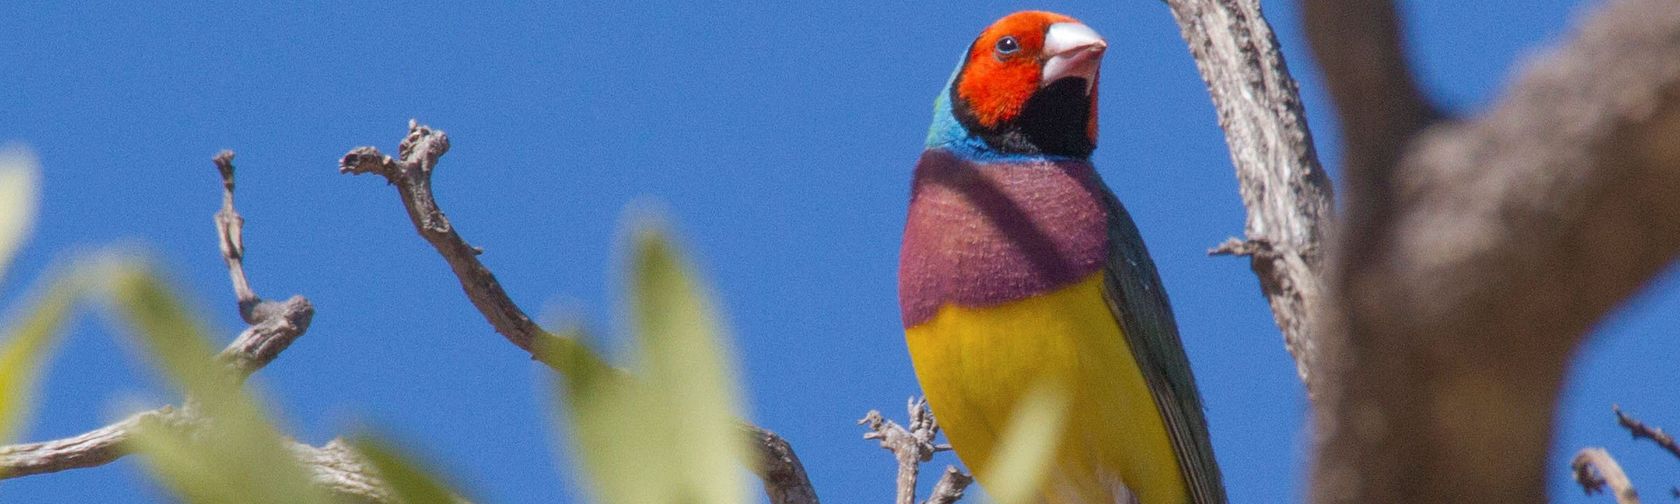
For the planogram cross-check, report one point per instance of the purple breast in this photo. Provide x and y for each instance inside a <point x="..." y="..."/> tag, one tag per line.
<point x="986" y="233"/>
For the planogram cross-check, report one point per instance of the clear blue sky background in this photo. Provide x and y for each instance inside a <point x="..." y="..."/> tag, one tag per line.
<point x="780" y="139"/>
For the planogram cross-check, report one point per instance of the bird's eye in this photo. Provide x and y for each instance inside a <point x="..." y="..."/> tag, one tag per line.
<point x="1007" y="46"/>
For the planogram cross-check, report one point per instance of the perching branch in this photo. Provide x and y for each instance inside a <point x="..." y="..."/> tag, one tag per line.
<point x="411" y="173"/>
<point x="1595" y="471"/>
<point x="274" y="326"/>
<point x="1641" y="430"/>
<point x="911" y="447"/>
<point x="1283" y="186"/>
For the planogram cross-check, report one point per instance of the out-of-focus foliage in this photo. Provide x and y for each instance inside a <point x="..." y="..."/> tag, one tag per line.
<point x="666" y="431"/>
<point x="226" y="449"/>
<point x="25" y="347"/>
<point x="409" y="482"/>
<point x="230" y="452"/>
<point x="26" y="340"/>
<point x="19" y="191"/>
<point x="1024" y="454"/>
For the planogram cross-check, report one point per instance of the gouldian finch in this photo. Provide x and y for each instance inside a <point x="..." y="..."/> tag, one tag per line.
<point x="1019" y="268"/>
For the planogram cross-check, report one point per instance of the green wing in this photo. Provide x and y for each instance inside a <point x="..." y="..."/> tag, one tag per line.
<point x="1134" y="294"/>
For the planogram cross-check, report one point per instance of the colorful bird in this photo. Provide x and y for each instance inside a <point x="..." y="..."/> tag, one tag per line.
<point x="1019" y="267"/>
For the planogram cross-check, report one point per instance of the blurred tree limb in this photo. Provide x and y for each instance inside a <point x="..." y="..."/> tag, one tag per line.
<point x="1471" y="257"/>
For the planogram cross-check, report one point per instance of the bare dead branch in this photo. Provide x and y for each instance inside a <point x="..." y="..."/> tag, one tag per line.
<point x="90" y="449"/>
<point x="254" y="348"/>
<point x="950" y="487"/>
<point x="1461" y="288"/>
<point x="230" y="227"/>
<point x="411" y="174"/>
<point x="263" y="341"/>
<point x="274" y="326"/>
<point x="1596" y="470"/>
<point x="1284" y="188"/>
<point x="910" y="446"/>
<point x="784" y="478"/>
<point x="1641" y="430"/>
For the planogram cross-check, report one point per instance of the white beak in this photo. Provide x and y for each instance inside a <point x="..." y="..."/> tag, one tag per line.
<point x="1072" y="50"/>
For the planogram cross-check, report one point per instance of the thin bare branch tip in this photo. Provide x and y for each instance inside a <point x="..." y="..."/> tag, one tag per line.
<point x="230" y="229"/>
<point x="1642" y="430"/>
<point x="422" y="146"/>
<point x="871" y="418"/>
<point x="1232" y="246"/>
<point x="1596" y="471"/>
<point x="367" y="159"/>
<point x="1256" y="247"/>
<point x="224" y="163"/>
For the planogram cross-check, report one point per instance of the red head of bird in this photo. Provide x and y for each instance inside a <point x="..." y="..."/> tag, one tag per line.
<point x="1026" y="86"/>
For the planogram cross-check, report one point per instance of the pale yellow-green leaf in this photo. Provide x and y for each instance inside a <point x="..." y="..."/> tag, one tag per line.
<point x="25" y="347"/>
<point x="616" y="437"/>
<point x="19" y="191"/>
<point x="666" y="433"/>
<point x="688" y="369"/>
<point x="234" y="450"/>
<point x="411" y="483"/>
<point x="1023" y="457"/>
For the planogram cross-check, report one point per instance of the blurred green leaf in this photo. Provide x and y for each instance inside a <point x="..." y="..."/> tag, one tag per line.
<point x="411" y="483"/>
<point x="687" y="366"/>
<point x="19" y="191"/>
<point x="615" y="436"/>
<point x="232" y="453"/>
<point x="666" y="434"/>
<point x="25" y="348"/>
<point x="1029" y="443"/>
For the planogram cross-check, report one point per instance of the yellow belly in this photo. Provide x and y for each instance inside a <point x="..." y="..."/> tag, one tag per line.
<point x="976" y="363"/>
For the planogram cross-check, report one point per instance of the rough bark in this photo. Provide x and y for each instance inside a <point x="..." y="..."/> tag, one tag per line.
<point x="1283" y="186"/>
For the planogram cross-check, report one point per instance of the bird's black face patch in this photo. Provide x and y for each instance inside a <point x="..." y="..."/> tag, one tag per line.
<point x="1053" y="122"/>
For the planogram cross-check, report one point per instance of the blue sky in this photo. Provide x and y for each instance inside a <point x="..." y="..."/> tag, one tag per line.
<point x="779" y="139"/>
